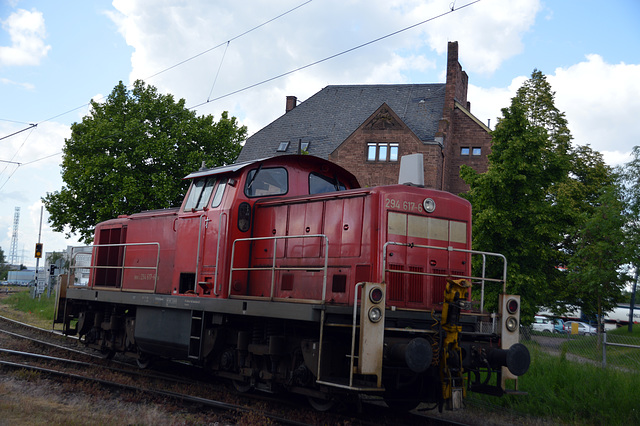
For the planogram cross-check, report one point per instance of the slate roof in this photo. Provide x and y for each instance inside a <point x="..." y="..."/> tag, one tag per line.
<point x="330" y="116"/>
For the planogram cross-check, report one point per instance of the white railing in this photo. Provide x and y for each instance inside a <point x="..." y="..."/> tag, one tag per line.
<point x="122" y="268"/>
<point x="482" y="278"/>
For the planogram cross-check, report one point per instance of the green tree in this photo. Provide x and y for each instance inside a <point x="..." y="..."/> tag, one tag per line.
<point x="596" y="269"/>
<point x="131" y="153"/>
<point x="512" y="212"/>
<point x="630" y="178"/>
<point x="535" y="197"/>
<point x="3" y="266"/>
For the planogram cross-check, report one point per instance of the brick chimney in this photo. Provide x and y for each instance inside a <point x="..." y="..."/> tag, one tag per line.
<point x="457" y="80"/>
<point x="292" y="102"/>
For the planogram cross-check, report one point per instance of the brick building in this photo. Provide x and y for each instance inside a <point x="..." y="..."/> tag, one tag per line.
<point x="367" y="128"/>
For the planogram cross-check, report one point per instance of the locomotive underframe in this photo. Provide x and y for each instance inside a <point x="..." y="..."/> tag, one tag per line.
<point x="283" y="352"/>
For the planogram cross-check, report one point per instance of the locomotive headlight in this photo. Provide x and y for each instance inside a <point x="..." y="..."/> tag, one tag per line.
<point x="512" y="306"/>
<point x="375" y="314"/>
<point x="429" y="205"/>
<point x="375" y="295"/>
<point x="511" y="323"/>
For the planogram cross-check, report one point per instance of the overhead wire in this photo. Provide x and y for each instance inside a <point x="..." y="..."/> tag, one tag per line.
<point x="31" y="125"/>
<point x="230" y="40"/>
<point x="169" y="68"/>
<point x="209" y="100"/>
<point x="218" y="73"/>
<point x="14" y="156"/>
<point x="335" y="55"/>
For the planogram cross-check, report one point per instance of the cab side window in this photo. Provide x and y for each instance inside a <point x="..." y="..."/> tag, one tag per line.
<point x="319" y="184"/>
<point x="200" y="193"/>
<point x="262" y="182"/>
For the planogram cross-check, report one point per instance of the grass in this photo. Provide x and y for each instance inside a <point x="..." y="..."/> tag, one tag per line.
<point x="38" y="311"/>
<point x="574" y="392"/>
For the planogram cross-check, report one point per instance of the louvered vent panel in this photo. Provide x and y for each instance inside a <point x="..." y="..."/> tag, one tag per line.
<point x="416" y="285"/>
<point x="395" y="285"/>
<point x="439" y="284"/>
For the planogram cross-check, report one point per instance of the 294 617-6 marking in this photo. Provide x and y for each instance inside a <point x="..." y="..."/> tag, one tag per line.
<point x="408" y="206"/>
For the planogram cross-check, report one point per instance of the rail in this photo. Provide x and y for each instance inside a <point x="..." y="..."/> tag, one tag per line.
<point x="273" y="268"/>
<point x="482" y="278"/>
<point x="122" y="267"/>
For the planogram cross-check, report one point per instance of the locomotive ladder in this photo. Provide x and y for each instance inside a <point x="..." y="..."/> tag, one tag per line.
<point x="195" y="337"/>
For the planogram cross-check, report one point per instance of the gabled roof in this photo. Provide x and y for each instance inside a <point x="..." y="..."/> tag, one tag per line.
<point x="330" y="116"/>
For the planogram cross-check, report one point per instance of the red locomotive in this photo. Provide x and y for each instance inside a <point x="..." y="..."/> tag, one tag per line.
<point x="284" y="274"/>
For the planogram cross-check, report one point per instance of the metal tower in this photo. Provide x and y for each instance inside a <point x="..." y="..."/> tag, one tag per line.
<point x="13" y="252"/>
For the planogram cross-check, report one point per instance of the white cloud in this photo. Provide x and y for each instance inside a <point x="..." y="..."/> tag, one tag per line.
<point x="601" y="102"/>
<point x="487" y="104"/>
<point x="490" y="31"/>
<point x="37" y="143"/>
<point x="165" y="35"/>
<point x="27" y="32"/>
<point x="27" y="86"/>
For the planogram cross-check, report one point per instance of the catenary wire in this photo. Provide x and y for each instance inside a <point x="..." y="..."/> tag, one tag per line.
<point x="31" y="126"/>
<point x="453" y="9"/>
<point x="334" y="55"/>
<point x="169" y="68"/>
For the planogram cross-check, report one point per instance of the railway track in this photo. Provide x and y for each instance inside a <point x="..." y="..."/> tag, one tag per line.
<point x="75" y="364"/>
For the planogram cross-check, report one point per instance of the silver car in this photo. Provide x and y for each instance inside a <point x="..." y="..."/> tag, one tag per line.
<point x="580" y="328"/>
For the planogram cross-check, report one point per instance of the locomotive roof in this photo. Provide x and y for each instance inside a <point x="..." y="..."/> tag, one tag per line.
<point x="222" y="169"/>
<point x="308" y="159"/>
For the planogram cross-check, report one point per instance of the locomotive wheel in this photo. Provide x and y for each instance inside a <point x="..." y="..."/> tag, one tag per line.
<point x="242" y="387"/>
<point x="143" y="360"/>
<point x="321" y="404"/>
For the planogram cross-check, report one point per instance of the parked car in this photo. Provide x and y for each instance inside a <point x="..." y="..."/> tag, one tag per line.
<point x="558" y="326"/>
<point x="542" y="324"/>
<point x="583" y="328"/>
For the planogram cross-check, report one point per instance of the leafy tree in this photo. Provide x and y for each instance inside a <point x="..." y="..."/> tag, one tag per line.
<point x="630" y="177"/>
<point x="535" y="197"/>
<point x="596" y="273"/>
<point x="3" y="266"/>
<point x="579" y="197"/>
<point x="131" y="153"/>
<point x="512" y="214"/>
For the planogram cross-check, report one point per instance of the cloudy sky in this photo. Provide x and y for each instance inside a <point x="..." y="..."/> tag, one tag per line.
<point x="242" y="57"/>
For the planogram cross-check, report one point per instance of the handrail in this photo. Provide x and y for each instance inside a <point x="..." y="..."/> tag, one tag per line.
<point x="353" y="331"/>
<point x="483" y="278"/>
<point x="215" y="278"/>
<point x="124" y="257"/>
<point x="273" y="267"/>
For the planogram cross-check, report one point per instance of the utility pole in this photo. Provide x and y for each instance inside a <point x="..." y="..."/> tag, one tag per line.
<point x="633" y="301"/>
<point x="39" y="252"/>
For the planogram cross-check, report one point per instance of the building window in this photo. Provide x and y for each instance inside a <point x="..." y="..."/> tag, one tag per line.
<point x="382" y="152"/>
<point x="393" y="152"/>
<point x="304" y="147"/>
<point x="476" y="151"/>
<point x="372" y="150"/>
<point x="283" y="146"/>
<point x="464" y="150"/>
